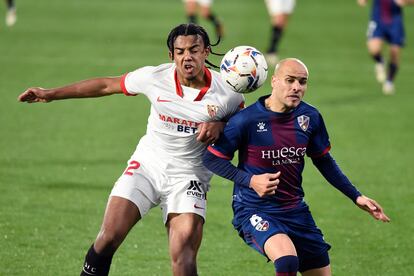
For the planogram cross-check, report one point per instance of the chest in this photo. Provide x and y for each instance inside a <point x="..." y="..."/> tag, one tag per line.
<point x="192" y="105"/>
<point x="282" y="132"/>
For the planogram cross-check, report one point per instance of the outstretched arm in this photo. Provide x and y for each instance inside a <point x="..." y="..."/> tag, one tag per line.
<point x="84" y="89"/>
<point x="333" y="174"/>
<point x="330" y="170"/>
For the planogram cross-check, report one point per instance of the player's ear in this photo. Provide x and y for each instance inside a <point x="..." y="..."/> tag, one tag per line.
<point x="171" y="56"/>
<point x="207" y="51"/>
<point x="273" y="81"/>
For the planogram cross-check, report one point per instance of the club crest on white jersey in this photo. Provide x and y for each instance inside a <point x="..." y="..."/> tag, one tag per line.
<point x="212" y="110"/>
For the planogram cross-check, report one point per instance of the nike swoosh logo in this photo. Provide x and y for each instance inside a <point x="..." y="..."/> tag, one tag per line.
<point x="162" y="101"/>
<point x="197" y="207"/>
<point x="88" y="272"/>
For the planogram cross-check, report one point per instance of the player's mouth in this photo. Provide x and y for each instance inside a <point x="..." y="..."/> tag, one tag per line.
<point x="293" y="97"/>
<point x="188" y="68"/>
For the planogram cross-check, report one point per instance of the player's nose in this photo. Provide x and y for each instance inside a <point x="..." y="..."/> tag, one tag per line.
<point x="296" y="85"/>
<point x="187" y="55"/>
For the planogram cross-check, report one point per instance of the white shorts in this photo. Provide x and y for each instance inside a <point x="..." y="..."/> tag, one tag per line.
<point x="275" y="7"/>
<point x="147" y="185"/>
<point x="206" y="3"/>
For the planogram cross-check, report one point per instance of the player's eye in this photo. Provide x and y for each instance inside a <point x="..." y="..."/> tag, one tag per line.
<point x="194" y="50"/>
<point x="303" y="81"/>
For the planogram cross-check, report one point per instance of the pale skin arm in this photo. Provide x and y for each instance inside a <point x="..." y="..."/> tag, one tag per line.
<point x="84" y="89"/>
<point x="265" y="184"/>
<point x="372" y="207"/>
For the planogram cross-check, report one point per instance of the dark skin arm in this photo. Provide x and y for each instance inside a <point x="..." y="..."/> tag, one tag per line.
<point x="98" y="87"/>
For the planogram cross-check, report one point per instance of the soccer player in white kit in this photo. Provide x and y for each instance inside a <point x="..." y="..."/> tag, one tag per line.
<point x="188" y="101"/>
<point x="279" y="12"/>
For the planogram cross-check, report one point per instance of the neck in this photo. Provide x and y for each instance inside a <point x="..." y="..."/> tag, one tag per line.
<point x="274" y="105"/>
<point x="197" y="82"/>
<point x="193" y="83"/>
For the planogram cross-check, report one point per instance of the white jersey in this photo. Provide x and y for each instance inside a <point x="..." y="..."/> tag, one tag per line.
<point x="205" y="3"/>
<point x="275" y="7"/>
<point x="176" y="112"/>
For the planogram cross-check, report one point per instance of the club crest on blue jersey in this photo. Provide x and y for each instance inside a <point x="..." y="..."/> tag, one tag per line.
<point x="303" y="122"/>
<point x="261" y="127"/>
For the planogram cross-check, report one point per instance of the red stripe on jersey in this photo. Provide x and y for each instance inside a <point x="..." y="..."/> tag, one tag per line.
<point x="385" y="9"/>
<point x="203" y="91"/>
<point x="241" y="105"/>
<point x="217" y="153"/>
<point x="123" y="87"/>
<point x="178" y="88"/>
<point x="325" y="151"/>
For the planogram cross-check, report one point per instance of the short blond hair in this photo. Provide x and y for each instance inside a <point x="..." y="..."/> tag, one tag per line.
<point x="280" y="63"/>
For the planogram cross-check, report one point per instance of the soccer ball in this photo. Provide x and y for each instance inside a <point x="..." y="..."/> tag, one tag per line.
<point x="244" y="69"/>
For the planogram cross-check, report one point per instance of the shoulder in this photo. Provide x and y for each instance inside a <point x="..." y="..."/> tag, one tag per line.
<point x="245" y="116"/>
<point x="307" y="109"/>
<point x="150" y="70"/>
<point x="149" y="74"/>
<point x="220" y="87"/>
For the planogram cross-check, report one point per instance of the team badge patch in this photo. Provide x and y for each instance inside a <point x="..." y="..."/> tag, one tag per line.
<point x="262" y="226"/>
<point x="212" y="110"/>
<point x="259" y="224"/>
<point x="303" y="122"/>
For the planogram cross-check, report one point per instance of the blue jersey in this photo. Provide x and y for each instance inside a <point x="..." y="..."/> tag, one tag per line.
<point x="386" y="22"/>
<point x="385" y="11"/>
<point x="269" y="142"/>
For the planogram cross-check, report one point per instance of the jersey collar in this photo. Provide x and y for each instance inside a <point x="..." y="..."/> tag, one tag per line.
<point x="203" y="91"/>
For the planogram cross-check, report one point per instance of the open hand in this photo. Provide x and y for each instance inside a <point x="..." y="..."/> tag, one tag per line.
<point x="372" y="207"/>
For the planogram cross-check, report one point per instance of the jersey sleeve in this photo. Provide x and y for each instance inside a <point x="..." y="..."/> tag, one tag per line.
<point x="229" y="140"/>
<point x="234" y="104"/>
<point x="319" y="143"/>
<point x="136" y="82"/>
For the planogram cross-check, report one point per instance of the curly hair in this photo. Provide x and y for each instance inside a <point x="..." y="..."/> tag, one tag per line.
<point x="191" y="29"/>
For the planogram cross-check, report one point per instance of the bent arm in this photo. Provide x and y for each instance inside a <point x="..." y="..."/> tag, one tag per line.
<point x="224" y="168"/>
<point x="263" y="184"/>
<point x="84" y="89"/>
<point x="333" y="174"/>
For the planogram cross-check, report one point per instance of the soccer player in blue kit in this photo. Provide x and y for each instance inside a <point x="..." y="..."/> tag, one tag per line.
<point x="386" y="24"/>
<point x="272" y="137"/>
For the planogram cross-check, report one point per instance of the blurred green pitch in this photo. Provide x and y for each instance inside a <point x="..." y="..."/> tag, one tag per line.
<point x="58" y="161"/>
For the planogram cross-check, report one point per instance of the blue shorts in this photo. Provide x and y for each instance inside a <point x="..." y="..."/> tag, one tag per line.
<point x="255" y="227"/>
<point x="393" y="32"/>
